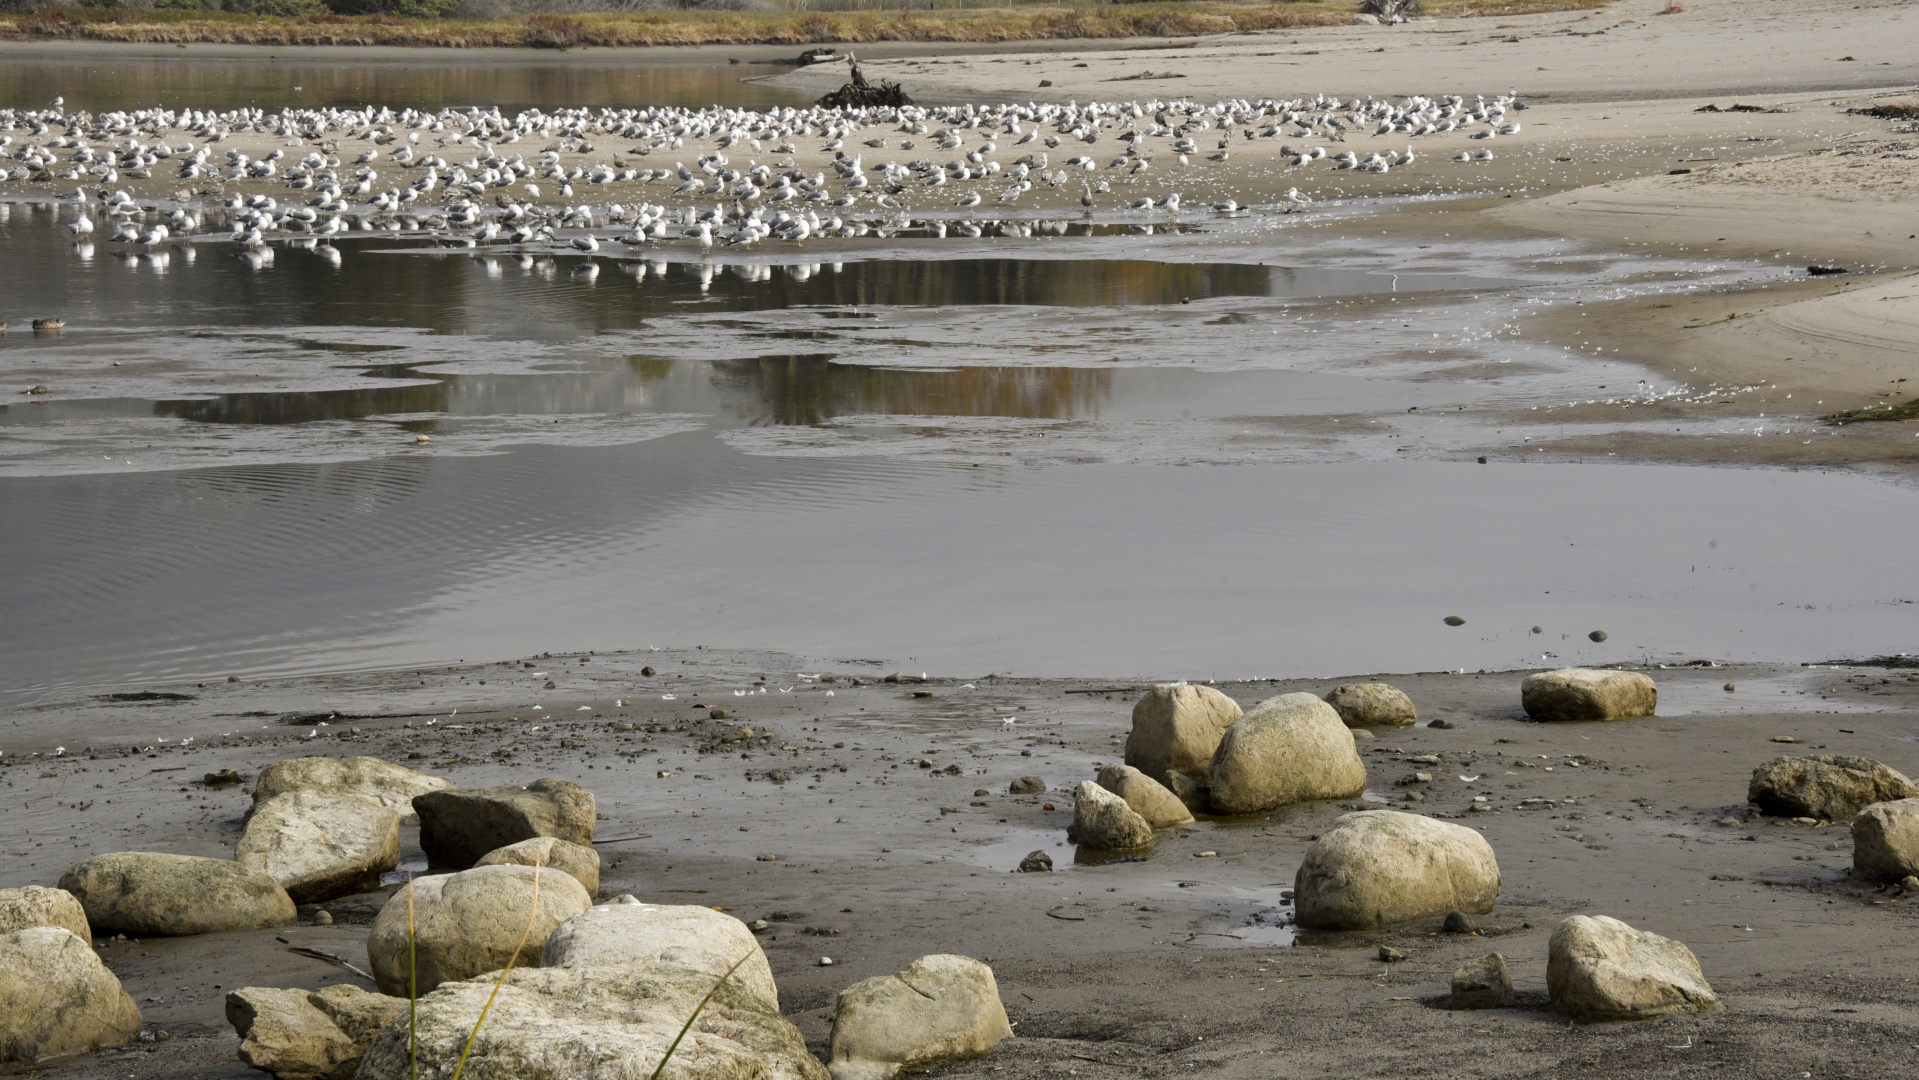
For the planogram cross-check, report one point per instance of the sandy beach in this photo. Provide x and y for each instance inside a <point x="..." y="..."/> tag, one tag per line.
<point x="869" y="820"/>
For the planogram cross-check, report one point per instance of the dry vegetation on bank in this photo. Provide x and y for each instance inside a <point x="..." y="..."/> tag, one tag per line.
<point x="706" y="27"/>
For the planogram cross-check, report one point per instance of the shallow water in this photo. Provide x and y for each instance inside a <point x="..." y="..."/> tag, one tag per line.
<point x="1083" y="450"/>
<point x="429" y="80"/>
<point x="1224" y="571"/>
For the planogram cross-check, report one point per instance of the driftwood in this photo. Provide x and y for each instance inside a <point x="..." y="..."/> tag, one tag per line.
<point x="858" y="93"/>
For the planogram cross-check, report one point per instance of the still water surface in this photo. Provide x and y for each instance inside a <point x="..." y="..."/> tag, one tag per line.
<point x="657" y="450"/>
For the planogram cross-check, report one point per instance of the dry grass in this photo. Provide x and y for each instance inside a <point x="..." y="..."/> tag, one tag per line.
<point x="1185" y="19"/>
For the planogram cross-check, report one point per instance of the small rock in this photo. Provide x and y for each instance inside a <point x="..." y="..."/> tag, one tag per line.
<point x="1729" y="688"/>
<point x="759" y="926"/>
<point x="1910" y="884"/>
<point x="1457" y="922"/>
<point x="1027" y="785"/>
<point x="1205" y="854"/>
<point x="718" y="714"/>
<point x="1363" y="735"/>
<point x="1784" y="739"/>
<point x="978" y="792"/>
<point x="826" y="961"/>
<point x="1598" y="635"/>
<point x="1390" y="955"/>
<point x="1453" y="620"/>
<point x="648" y="671"/>
<point x="223" y="779"/>
<point x="1440" y="725"/>
<point x="323" y="917"/>
<point x="1485" y="983"/>
<point x="1036" y="862"/>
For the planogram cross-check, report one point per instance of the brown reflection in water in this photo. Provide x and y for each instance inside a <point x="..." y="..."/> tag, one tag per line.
<point x="1079" y="282"/>
<point x="306" y="408"/>
<point x="811" y="389"/>
<point x="96" y="83"/>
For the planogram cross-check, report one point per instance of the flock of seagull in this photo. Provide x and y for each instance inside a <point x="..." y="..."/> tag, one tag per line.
<point x="314" y="174"/>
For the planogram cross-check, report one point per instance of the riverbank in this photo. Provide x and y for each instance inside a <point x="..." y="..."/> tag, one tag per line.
<point x="825" y="817"/>
<point x="698" y="27"/>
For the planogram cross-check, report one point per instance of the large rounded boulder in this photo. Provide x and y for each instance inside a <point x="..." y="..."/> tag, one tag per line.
<point x="153" y="894"/>
<point x="1599" y="968"/>
<point x="628" y="933"/>
<point x="37" y="905"/>
<point x="1291" y="748"/>
<point x="577" y="859"/>
<point x="1176" y="728"/>
<point x="57" y="999"/>
<point x="1830" y="787"/>
<point x="1372" y="704"/>
<point x="1885" y="841"/>
<point x="942" y="1008"/>
<point x="470" y="923"/>
<point x="375" y="778"/>
<point x="1378" y="867"/>
<point x="1588" y="694"/>
<point x="320" y="846"/>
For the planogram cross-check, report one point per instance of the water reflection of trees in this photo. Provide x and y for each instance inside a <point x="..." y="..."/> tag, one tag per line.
<point x="810" y="389"/>
<point x="135" y="83"/>
<point x="307" y="407"/>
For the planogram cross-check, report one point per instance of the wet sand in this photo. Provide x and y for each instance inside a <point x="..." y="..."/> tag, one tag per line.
<point x="1181" y="964"/>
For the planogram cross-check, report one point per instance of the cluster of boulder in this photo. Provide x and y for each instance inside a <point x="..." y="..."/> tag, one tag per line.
<point x="583" y="990"/>
<point x="1882" y="803"/>
<point x="1191" y="744"/>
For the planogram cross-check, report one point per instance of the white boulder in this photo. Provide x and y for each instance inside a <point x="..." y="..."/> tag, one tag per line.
<point x="1291" y="748"/>
<point x="577" y="859"/>
<point x="1588" y="694"/>
<point x="1378" y="867"/>
<point x="37" y="905"/>
<point x="319" y="846"/>
<point x="470" y="923"/>
<point x="1176" y="728"/>
<point x="57" y="999"/>
<point x="1598" y="968"/>
<point x="1103" y="822"/>
<point x="627" y="933"/>
<point x="942" y="1008"/>
<point x="1885" y="841"/>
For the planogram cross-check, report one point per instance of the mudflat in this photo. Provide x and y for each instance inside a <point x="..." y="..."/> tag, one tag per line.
<point x="870" y="822"/>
